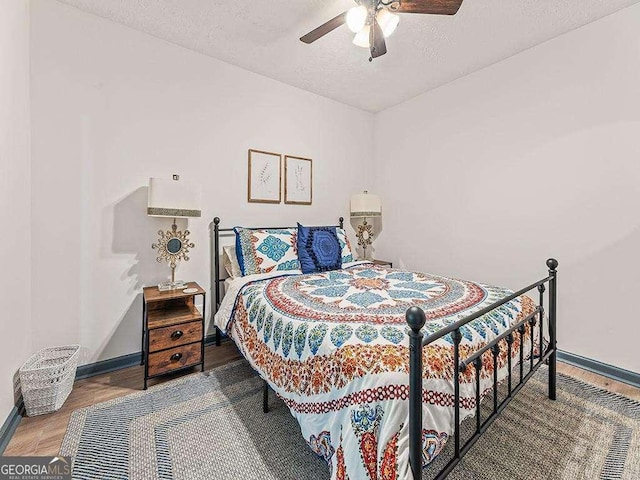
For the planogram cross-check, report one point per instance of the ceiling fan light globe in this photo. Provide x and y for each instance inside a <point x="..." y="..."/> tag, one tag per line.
<point x="388" y="21"/>
<point x="362" y="38"/>
<point x="357" y="18"/>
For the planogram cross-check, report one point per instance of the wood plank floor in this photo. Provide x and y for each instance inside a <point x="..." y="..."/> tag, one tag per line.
<point x="600" y="381"/>
<point x="42" y="435"/>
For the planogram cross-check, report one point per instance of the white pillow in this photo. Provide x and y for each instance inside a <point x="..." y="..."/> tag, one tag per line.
<point x="230" y="261"/>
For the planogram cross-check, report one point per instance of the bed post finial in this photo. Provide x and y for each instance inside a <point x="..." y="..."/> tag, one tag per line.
<point x="416" y="319"/>
<point x="216" y="221"/>
<point x="341" y="222"/>
<point x="552" y="263"/>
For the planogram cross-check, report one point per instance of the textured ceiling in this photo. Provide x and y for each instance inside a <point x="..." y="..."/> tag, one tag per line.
<point x="425" y="52"/>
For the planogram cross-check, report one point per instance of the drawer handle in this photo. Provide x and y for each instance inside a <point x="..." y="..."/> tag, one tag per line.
<point x="175" y="357"/>
<point x="177" y="334"/>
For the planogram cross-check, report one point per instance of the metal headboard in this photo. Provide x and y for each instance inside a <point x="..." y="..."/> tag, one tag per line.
<point x="216" y="231"/>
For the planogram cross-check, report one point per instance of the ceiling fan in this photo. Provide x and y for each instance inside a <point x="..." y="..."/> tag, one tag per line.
<point x="374" y="20"/>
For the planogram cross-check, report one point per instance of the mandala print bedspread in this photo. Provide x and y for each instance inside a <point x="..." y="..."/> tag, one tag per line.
<point x="334" y="347"/>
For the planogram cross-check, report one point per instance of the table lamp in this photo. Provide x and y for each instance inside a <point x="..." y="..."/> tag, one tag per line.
<point x="173" y="199"/>
<point x="365" y="205"/>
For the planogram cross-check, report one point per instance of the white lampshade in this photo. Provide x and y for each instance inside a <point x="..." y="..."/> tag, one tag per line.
<point x="356" y="18"/>
<point x="388" y="21"/>
<point x="365" y="205"/>
<point x="362" y="37"/>
<point x="173" y="198"/>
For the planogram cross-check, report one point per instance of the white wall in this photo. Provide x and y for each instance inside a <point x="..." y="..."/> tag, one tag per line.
<point x="112" y="107"/>
<point x="533" y="157"/>
<point x="483" y="178"/>
<point x="15" y="254"/>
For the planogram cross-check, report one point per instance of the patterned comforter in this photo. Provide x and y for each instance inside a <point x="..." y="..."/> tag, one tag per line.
<point x="334" y="347"/>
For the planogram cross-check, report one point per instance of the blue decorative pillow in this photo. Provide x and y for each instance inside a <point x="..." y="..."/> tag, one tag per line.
<point x="319" y="249"/>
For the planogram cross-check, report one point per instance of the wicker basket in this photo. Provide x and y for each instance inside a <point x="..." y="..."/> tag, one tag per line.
<point x="46" y="379"/>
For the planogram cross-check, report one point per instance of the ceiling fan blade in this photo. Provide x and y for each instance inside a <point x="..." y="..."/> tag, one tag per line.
<point x="434" y="7"/>
<point x="325" y="28"/>
<point x="376" y="40"/>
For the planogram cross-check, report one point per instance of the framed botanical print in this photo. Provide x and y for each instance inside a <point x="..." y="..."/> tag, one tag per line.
<point x="265" y="177"/>
<point x="298" y="180"/>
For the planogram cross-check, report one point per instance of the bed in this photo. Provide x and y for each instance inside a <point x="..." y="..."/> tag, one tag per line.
<point x="380" y="366"/>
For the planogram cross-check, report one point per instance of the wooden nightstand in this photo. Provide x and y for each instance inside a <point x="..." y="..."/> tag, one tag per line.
<point x="382" y="262"/>
<point x="172" y="331"/>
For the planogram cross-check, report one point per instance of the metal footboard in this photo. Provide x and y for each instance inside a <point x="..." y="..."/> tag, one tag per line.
<point x="416" y="319"/>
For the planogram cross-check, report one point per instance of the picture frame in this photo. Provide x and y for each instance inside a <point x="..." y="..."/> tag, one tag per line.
<point x="298" y="180"/>
<point x="264" y="177"/>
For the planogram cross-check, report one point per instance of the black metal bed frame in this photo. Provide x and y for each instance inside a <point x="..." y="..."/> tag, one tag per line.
<point x="416" y="319"/>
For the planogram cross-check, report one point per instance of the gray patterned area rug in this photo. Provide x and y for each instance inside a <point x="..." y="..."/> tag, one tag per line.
<point x="211" y="426"/>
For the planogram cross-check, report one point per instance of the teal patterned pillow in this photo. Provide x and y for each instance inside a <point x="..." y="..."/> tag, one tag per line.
<point x="347" y="254"/>
<point x="268" y="250"/>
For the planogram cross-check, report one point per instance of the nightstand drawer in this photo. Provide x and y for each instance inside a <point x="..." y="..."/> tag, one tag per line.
<point x="174" y="336"/>
<point x="174" y="358"/>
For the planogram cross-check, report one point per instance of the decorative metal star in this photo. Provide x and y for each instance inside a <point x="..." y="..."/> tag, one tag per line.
<point x="364" y="234"/>
<point x="173" y="246"/>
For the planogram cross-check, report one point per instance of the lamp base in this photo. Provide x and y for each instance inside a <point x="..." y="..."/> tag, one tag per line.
<point x="364" y="234"/>
<point x="169" y="285"/>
